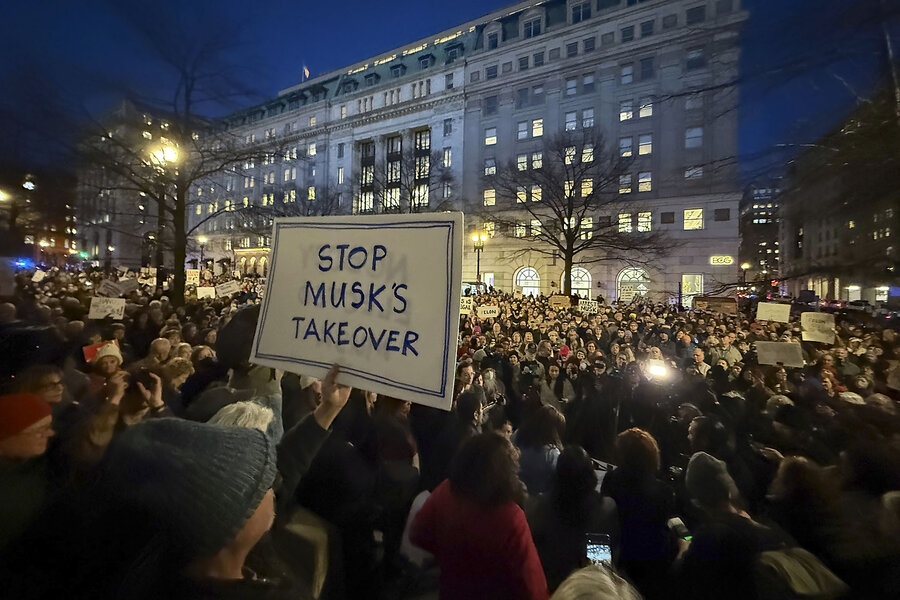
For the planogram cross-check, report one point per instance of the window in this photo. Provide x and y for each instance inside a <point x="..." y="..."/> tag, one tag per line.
<point x="228" y="244"/>
<point x="538" y="59"/>
<point x="475" y="76"/>
<point x="393" y="171"/>
<point x="340" y="150"/>
<point x="696" y="15"/>
<point x="528" y="280"/>
<point x="645" y="144"/>
<point x="447" y="158"/>
<point x="453" y="53"/>
<point x="589" y="44"/>
<point x="691" y="285"/>
<point x="366" y="202"/>
<point x="312" y="121"/>
<point x="535" y="227"/>
<point x="340" y="175"/>
<point x="448" y="81"/>
<point x="448" y="127"/>
<point x="537" y="160"/>
<point x="587" y="153"/>
<point x="490" y="105"/>
<point x="571" y="121"/>
<point x="645" y="181"/>
<point x="489" y="228"/>
<point x="646" y="108"/>
<point x="628" y="33"/>
<point x="311" y="192"/>
<point x="397" y="71"/>
<point x="588" y="83"/>
<point x="669" y="21"/>
<point x="447" y="189"/>
<point x="646" y="68"/>
<point x="645" y="222"/>
<point x="490" y="72"/>
<point x="522" y="162"/>
<point x="420" y="195"/>
<point x="489" y="197"/>
<point x="344" y="111"/>
<point x="311" y="149"/>
<point x="587" y="228"/>
<point x="537" y="127"/>
<point x="625" y="223"/>
<point x="493" y="40"/>
<point x="521" y="230"/>
<point x="490" y="166"/>
<point x="626" y="74"/>
<point x="571" y="49"/>
<point x="625" y="146"/>
<point x="490" y="136"/>
<point x="423" y="140"/>
<point x="531" y="28"/>
<point x="693" y="218"/>
<point x="536" y="194"/>
<point x="587" y="188"/>
<point x="693" y="137"/>
<point x="722" y="214"/>
<point x="554" y="53"/>
<point x="626" y="110"/>
<point x="625" y="184"/>
<point x="570" y="155"/>
<point x="667" y="218"/>
<point x="693" y="173"/>
<point x="646" y="28"/>
<point x="694" y="59"/>
<point x="608" y="39"/>
<point x="581" y="12"/>
<point x="522" y="130"/>
<point x="587" y="118"/>
<point x="521" y="194"/>
<point x="569" y="188"/>
<point x="523" y="63"/>
<point x="571" y="87"/>
<point x="198" y="210"/>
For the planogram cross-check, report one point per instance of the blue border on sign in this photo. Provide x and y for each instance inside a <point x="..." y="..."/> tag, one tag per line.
<point x="448" y="225"/>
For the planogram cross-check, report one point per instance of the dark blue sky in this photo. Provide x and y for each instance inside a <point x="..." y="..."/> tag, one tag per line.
<point x="803" y="61"/>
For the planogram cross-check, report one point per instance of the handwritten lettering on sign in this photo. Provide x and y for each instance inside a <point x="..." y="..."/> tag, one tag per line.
<point x="378" y="295"/>
<point x="488" y="312"/>
<point x="465" y="305"/>
<point x="817" y="327"/>
<point x="103" y="308"/>
<point x="228" y="288"/>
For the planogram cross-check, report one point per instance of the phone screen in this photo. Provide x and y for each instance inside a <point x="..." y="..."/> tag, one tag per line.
<point x="598" y="549"/>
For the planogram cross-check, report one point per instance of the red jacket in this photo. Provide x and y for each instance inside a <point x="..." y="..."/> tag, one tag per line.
<point x="482" y="552"/>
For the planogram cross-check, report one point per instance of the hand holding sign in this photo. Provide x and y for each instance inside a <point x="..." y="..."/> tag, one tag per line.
<point x="773" y="311"/>
<point x="817" y="327"/>
<point x="103" y="308"/>
<point x="334" y="398"/>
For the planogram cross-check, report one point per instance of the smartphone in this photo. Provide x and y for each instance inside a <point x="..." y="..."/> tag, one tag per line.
<point x="677" y="526"/>
<point x="598" y="548"/>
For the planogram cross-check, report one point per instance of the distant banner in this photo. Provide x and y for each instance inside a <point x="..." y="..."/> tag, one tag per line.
<point x="228" y="288"/>
<point x="206" y="292"/>
<point x="560" y="301"/>
<point x="787" y="354"/>
<point x="108" y="288"/>
<point x="773" y="311"/>
<point x="107" y="308"/>
<point x="817" y="327"/>
<point x="588" y="307"/>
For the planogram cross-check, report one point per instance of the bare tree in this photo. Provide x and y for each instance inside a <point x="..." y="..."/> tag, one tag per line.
<point x="570" y="192"/>
<point x="409" y="180"/>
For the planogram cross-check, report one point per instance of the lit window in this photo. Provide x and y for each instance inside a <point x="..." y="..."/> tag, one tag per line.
<point x="447" y="189"/>
<point x="645" y="144"/>
<point x="537" y="127"/>
<point x="489" y="228"/>
<point x="420" y="195"/>
<point x="693" y="137"/>
<point x="625" y="146"/>
<point x="693" y="218"/>
<point x="490" y="166"/>
<point x="570" y="155"/>
<point x="340" y="175"/>
<point x="522" y="130"/>
<point x="535" y="227"/>
<point x="625" y="184"/>
<point x="448" y="158"/>
<point x="148" y="135"/>
<point x="587" y="228"/>
<point x="535" y="193"/>
<point x="312" y="121"/>
<point x="587" y="118"/>
<point x="490" y="136"/>
<point x="568" y="188"/>
<point x="521" y="194"/>
<point x="626" y="110"/>
<point x="344" y="111"/>
<point x="490" y="197"/>
<point x="537" y="160"/>
<point x="645" y="222"/>
<point x="522" y="162"/>
<point x="199" y="209"/>
<point x="571" y="121"/>
<point x="587" y="153"/>
<point x="625" y="223"/>
<point x="247" y="200"/>
<point x="521" y="230"/>
<point x="851" y="224"/>
<point x="587" y="188"/>
<point x="311" y="149"/>
<point x="646" y="108"/>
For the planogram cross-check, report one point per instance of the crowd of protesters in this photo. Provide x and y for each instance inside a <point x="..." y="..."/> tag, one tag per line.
<point x="147" y="458"/>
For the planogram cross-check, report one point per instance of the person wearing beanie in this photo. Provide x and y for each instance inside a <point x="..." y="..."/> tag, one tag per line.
<point x="25" y="428"/>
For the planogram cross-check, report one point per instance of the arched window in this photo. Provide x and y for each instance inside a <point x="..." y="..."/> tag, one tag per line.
<point x="243" y="265"/>
<point x="528" y="279"/>
<point x="252" y="265"/>
<point x="265" y="266"/>
<point x="632" y="281"/>
<point x="581" y="282"/>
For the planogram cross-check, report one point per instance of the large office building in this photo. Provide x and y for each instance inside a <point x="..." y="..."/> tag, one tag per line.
<point x="655" y="77"/>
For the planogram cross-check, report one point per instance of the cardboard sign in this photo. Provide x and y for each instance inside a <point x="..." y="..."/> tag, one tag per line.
<point x="488" y="312"/>
<point x="38" y="276"/>
<point x="151" y="281"/>
<point x="108" y="288"/>
<point x="122" y="269"/>
<point x="376" y="295"/>
<point x="817" y="327"/>
<point x="560" y="301"/>
<point x="228" y="288"/>
<point x="192" y="276"/>
<point x="726" y="306"/>
<point x="466" y="303"/>
<point x="588" y="307"/>
<point x="145" y="271"/>
<point x="784" y="353"/>
<point x="773" y="311"/>
<point x="102" y="308"/>
<point x="91" y="351"/>
<point x="128" y="285"/>
<point x="206" y="292"/>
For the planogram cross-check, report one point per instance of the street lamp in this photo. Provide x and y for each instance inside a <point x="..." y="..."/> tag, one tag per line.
<point x="201" y="240"/>
<point x="744" y="268"/>
<point x="478" y="243"/>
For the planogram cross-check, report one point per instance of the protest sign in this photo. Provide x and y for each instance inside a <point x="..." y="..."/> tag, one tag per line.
<point x="145" y="271"/>
<point x="38" y="276"/>
<point x="128" y="285"/>
<point x="588" y="307"/>
<point x="560" y="301"/>
<point x="817" y="327"/>
<point x="773" y="311"/>
<point x="206" y="292"/>
<point x="228" y="288"/>
<point x="122" y="269"/>
<point x="465" y="305"/>
<point x="108" y="288"/>
<point x="102" y="308"/>
<point x="376" y="295"/>
<point x="488" y="312"/>
<point x="726" y="306"/>
<point x="151" y="281"/>
<point x="192" y="277"/>
<point x="783" y="353"/>
<point x="91" y="351"/>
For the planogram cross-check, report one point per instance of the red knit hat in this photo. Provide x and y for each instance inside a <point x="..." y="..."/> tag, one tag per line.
<point x="20" y="411"/>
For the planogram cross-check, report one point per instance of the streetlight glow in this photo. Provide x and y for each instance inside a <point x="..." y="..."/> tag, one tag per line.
<point x="202" y="240"/>
<point x="745" y="266"/>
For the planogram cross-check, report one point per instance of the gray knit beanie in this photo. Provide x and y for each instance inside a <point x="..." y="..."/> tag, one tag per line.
<point x="708" y="482"/>
<point x="200" y="482"/>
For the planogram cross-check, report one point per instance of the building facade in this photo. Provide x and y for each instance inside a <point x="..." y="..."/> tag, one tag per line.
<point x="760" y="230"/>
<point x="655" y="77"/>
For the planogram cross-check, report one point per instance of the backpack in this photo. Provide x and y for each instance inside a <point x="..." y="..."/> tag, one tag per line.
<point x="794" y="573"/>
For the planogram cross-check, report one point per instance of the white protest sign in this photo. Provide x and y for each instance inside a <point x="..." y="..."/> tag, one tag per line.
<point x="817" y="327"/>
<point x="108" y="288"/>
<point x="228" y="288"/>
<point x="465" y="305"/>
<point x="192" y="276"/>
<point x="38" y="276"/>
<point x="128" y="285"/>
<point x="588" y="307"/>
<point x="784" y="353"/>
<point x="122" y="269"/>
<point x="560" y="301"/>
<point x="488" y="312"/>
<point x="206" y="292"/>
<point x="773" y="311"/>
<point x="151" y="281"/>
<point x="101" y="308"/>
<point x="377" y="295"/>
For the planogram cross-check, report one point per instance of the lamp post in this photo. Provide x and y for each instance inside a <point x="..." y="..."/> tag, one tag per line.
<point x="162" y="157"/>
<point x="478" y="243"/>
<point x="744" y="268"/>
<point x="202" y="241"/>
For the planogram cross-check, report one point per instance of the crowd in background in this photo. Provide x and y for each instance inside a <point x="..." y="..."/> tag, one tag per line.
<point x="146" y="457"/>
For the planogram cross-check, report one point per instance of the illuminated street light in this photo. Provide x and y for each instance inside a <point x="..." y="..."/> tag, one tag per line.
<point x="202" y="239"/>
<point x="44" y="243"/>
<point x="478" y="243"/>
<point x="111" y="248"/>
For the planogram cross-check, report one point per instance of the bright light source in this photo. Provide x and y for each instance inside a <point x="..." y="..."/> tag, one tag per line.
<point x="202" y="239"/>
<point x="853" y="288"/>
<point x="111" y="248"/>
<point x="475" y="238"/>
<point x="44" y="243"/>
<point x="28" y="185"/>
<point x="657" y="369"/>
<point x="745" y="266"/>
